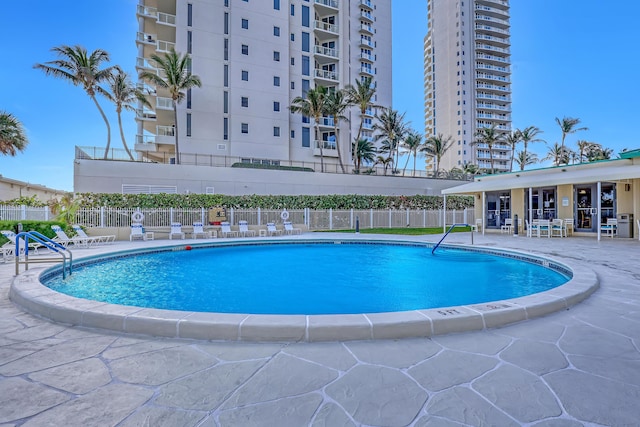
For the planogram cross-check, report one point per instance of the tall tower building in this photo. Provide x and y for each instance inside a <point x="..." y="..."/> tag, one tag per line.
<point x="254" y="57"/>
<point x="467" y="78"/>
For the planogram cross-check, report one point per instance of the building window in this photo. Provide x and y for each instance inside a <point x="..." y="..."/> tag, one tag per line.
<point x="226" y="22"/>
<point x="306" y="137"/>
<point x="306" y="68"/>
<point x="276" y="131"/>
<point x="225" y="108"/>
<point x="276" y="106"/>
<point x="293" y="61"/>
<point x="244" y="101"/>
<point x="226" y="75"/>
<point x="225" y="128"/>
<point x="293" y="10"/>
<point x="305" y="16"/>
<point x="306" y="85"/>
<point x="189" y="41"/>
<point x="245" y="24"/>
<point x="276" y="81"/>
<point x="292" y="37"/>
<point x="245" y="49"/>
<point x="245" y="75"/>
<point x="188" y="98"/>
<point x="245" y="127"/>
<point x="293" y="134"/>
<point x="305" y="42"/>
<point x="276" y="31"/>
<point x="293" y="85"/>
<point x="276" y="56"/>
<point x="189" y="14"/>
<point x="188" y="124"/>
<point x="276" y="4"/>
<point x="226" y="49"/>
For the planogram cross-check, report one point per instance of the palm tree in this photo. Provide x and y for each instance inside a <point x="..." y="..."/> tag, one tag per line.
<point x="313" y="105"/>
<point x="361" y="96"/>
<point x="524" y="159"/>
<point x="384" y="161"/>
<point x="489" y="136"/>
<point x="597" y="152"/>
<point x="437" y="146"/>
<point x="558" y="154"/>
<point x="412" y="144"/>
<point x="512" y="139"/>
<point x="470" y="169"/>
<point x="567" y="126"/>
<point x="392" y="129"/>
<point x="362" y="150"/>
<point x="527" y="136"/>
<point x="176" y="69"/>
<point x="123" y="93"/>
<point x="336" y="104"/>
<point x="12" y="135"/>
<point x="82" y="69"/>
<point x="583" y="149"/>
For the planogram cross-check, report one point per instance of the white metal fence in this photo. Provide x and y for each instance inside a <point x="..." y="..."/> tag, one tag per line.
<point x="328" y="219"/>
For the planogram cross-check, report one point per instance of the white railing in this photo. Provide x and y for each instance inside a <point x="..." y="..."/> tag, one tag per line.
<point x="145" y="114"/>
<point x="25" y="213"/>
<point x="366" y="42"/>
<point x="330" y="3"/>
<point x="165" y="18"/>
<point x="147" y="38"/>
<point x="327" y="51"/>
<point x="164" y="103"/>
<point x="165" y="130"/>
<point x="327" y="75"/>
<point x="325" y="26"/>
<point x="147" y="11"/>
<point x="145" y="139"/>
<point x="327" y="219"/>
<point x="164" y="46"/>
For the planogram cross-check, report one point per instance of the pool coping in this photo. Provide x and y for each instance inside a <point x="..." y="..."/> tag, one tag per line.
<point x="31" y="295"/>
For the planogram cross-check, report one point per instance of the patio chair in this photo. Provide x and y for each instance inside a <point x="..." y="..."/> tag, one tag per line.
<point x="244" y="229"/>
<point x="137" y="232"/>
<point x="477" y="226"/>
<point x="544" y="228"/>
<point x="11" y="244"/>
<point x="568" y="226"/>
<point x="610" y="228"/>
<point x="289" y="229"/>
<point x="557" y="228"/>
<point x="272" y="230"/>
<point x="93" y="239"/>
<point x="507" y="227"/>
<point x="198" y="231"/>
<point x="64" y="240"/>
<point x="176" y="230"/>
<point x="225" y="230"/>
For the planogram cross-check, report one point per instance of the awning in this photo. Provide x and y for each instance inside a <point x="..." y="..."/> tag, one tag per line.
<point x="577" y="174"/>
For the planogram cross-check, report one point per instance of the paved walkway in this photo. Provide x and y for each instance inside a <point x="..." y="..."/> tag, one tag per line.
<point x="577" y="367"/>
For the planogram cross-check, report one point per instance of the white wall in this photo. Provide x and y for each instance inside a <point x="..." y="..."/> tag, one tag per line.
<point x="99" y="176"/>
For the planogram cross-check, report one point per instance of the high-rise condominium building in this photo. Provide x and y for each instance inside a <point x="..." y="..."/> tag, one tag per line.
<point x="467" y="81"/>
<point x="253" y="58"/>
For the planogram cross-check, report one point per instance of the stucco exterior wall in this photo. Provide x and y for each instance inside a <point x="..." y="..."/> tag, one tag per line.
<point x="98" y="176"/>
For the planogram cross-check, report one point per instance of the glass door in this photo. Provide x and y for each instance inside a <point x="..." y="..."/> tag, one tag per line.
<point x="585" y="211"/>
<point x="498" y="209"/>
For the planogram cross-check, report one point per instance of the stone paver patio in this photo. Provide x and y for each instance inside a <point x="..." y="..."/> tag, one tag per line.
<point x="576" y="367"/>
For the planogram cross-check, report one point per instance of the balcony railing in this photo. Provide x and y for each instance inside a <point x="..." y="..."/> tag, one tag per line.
<point x="366" y="42"/>
<point x="490" y="28"/>
<point x="366" y="15"/>
<point x="146" y="89"/>
<point x="147" y="38"/>
<point x="491" y="47"/>
<point x="150" y="12"/>
<point x="484" y="95"/>
<point x="366" y="56"/>
<point x="144" y="114"/>
<point x="165" y="18"/>
<point x="366" y="3"/>
<point x="367" y="28"/>
<point x="493" y="106"/>
<point x="493" y="87"/>
<point x="164" y="103"/>
<point x="326" y="51"/>
<point x="326" y="121"/>
<point x="492" y="77"/>
<point x="492" y="57"/>
<point x="329" y="3"/>
<point x="166" y="130"/>
<point x="325" y="26"/>
<point x="327" y="75"/>
<point x="164" y="46"/>
<point x="145" y="139"/>
<point x="146" y="63"/>
<point x="366" y="70"/>
<point x="492" y="19"/>
<point x="491" y="9"/>
<point x="483" y="66"/>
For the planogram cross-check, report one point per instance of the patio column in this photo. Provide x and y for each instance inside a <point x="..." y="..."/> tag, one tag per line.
<point x="530" y="206"/>
<point x="484" y="196"/>
<point x="599" y="207"/>
<point x="444" y="214"/>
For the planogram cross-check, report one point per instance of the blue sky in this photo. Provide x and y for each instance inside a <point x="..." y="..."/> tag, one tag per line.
<point x="575" y="58"/>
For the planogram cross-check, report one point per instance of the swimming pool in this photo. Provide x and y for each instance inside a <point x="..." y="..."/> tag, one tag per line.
<point x="308" y="278"/>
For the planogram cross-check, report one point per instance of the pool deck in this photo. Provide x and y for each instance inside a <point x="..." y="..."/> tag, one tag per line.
<point x="579" y="366"/>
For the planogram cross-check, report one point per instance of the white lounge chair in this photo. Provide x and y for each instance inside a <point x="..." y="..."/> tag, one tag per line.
<point x="507" y="227"/>
<point x="137" y="232"/>
<point x="289" y="229"/>
<point x="198" y="231"/>
<point x="477" y="226"/>
<point x="93" y="239"/>
<point x="544" y="228"/>
<point x="9" y="247"/>
<point x="176" y="230"/>
<point x="243" y="227"/>
<point x="64" y="240"/>
<point x="272" y="230"/>
<point x="225" y="230"/>
<point x="557" y="228"/>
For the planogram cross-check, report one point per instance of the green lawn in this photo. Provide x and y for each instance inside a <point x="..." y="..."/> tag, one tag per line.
<point x="402" y="230"/>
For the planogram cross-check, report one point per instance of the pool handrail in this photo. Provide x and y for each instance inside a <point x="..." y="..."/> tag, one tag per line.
<point x="447" y="233"/>
<point x="46" y="242"/>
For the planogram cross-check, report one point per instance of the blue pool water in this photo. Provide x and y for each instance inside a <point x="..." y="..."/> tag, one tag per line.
<point x="306" y="278"/>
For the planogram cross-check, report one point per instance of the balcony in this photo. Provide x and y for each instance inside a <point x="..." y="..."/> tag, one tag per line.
<point x="146" y="38"/>
<point x="494" y="77"/>
<point x="498" y="40"/>
<point x="366" y="42"/>
<point x="164" y="103"/>
<point x="494" y="11"/>
<point x="493" y="58"/>
<point x="326" y="75"/>
<point x="484" y="46"/>
<point x="492" y="87"/>
<point x="146" y="89"/>
<point x="328" y="3"/>
<point x="326" y="27"/>
<point x="484" y="95"/>
<point x="366" y="3"/>
<point x="366" y="56"/>
<point x="164" y="46"/>
<point x="326" y="122"/>
<point x="326" y="51"/>
<point x="366" y="15"/>
<point x="490" y="106"/>
<point x="329" y="148"/>
<point x="501" y="117"/>
<point x="366" y="28"/>
<point x="491" y="29"/>
<point x="145" y="114"/>
<point x="367" y="71"/>
<point x="159" y="17"/>
<point x="503" y="23"/>
<point x="497" y="3"/>
<point x="146" y="64"/>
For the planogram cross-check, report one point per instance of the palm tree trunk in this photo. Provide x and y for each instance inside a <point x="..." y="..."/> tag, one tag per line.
<point x="491" y="158"/>
<point x="335" y="130"/>
<point x="320" y="144"/>
<point x="124" y="142"/>
<point x="106" y="150"/>
<point x="414" y="163"/>
<point x="175" y="118"/>
<point x="405" y="165"/>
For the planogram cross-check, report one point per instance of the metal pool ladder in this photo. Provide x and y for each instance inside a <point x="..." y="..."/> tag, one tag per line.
<point x="67" y="256"/>
<point x="447" y="233"/>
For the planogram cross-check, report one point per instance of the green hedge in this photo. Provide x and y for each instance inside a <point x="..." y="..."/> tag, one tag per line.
<point x="43" y="227"/>
<point x="196" y="201"/>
